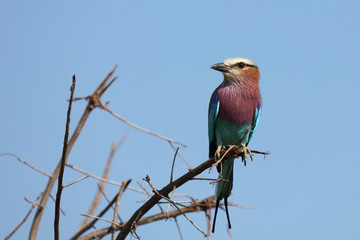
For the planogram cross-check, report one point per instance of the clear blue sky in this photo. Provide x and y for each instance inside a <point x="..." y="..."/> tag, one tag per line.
<point x="308" y="53"/>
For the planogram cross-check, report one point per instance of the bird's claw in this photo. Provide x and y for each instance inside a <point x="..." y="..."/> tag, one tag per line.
<point x="246" y="151"/>
<point x="218" y="153"/>
<point x="217" y="157"/>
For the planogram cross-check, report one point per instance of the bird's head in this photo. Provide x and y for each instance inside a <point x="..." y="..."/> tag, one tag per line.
<point x="238" y="69"/>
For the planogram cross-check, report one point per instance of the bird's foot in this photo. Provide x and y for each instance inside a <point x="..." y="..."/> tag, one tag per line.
<point x="245" y="151"/>
<point x="217" y="157"/>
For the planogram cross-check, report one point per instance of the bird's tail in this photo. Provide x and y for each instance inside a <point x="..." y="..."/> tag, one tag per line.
<point x="223" y="188"/>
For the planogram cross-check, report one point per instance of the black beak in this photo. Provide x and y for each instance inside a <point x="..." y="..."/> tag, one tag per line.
<point x="220" y="67"/>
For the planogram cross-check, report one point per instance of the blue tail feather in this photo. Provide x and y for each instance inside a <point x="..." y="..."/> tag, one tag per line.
<point x="223" y="188"/>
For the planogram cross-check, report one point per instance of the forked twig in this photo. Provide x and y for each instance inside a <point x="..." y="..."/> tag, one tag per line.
<point x="92" y="223"/>
<point x="147" y="178"/>
<point x="96" y="201"/>
<point x="25" y="218"/>
<point x="234" y="153"/>
<point x="204" y="205"/>
<point x="93" y="99"/>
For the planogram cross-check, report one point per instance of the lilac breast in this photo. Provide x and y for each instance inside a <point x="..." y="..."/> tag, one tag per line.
<point x="237" y="103"/>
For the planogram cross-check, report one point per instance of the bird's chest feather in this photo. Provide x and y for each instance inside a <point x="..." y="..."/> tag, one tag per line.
<point x="228" y="133"/>
<point x="236" y="112"/>
<point x="237" y="104"/>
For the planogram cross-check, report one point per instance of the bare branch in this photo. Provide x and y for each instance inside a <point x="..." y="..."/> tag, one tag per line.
<point x="147" y="179"/>
<point x="54" y="200"/>
<point x="69" y="184"/>
<point x="92" y="223"/>
<point x="101" y="179"/>
<point x="104" y="107"/>
<point x="117" y="204"/>
<point x="97" y="197"/>
<point x="235" y="152"/>
<point x="62" y="164"/>
<point x="178" y="227"/>
<point x="181" y="157"/>
<point x="103" y="219"/>
<point x="26" y="163"/>
<point x="25" y="218"/>
<point x="107" y="199"/>
<point x="173" y="163"/>
<point x="204" y="205"/>
<point x="93" y="100"/>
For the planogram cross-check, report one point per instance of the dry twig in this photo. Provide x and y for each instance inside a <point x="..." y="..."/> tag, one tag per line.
<point x="203" y="205"/>
<point x="26" y="163"/>
<point x="103" y="219"/>
<point x="173" y="163"/>
<point x="25" y="218"/>
<point x="96" y="201"/>
<point x="104" y="107"/>
<point x="69" y="184"/>
<point x="93" y="100"/>
<point x="101" y="179"/>
<point x="117" y="204"/>
<point x="62" y="164"/>
<point x="234" y="153"/>
<point x="92" y="223"/>
<point x="173" y="148"/>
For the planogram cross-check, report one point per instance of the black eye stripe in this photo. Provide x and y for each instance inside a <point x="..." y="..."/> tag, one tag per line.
<point x="243" y="65"/>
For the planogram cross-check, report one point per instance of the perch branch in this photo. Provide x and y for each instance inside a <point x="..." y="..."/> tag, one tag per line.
<point x="203" y="205"/>
<point x="235" y="152"/>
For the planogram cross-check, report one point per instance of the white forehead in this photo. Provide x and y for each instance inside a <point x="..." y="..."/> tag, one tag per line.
<point x="235" y="60"/>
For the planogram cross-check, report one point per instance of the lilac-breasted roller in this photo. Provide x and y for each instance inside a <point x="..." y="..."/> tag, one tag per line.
<point x="234" y="112"/>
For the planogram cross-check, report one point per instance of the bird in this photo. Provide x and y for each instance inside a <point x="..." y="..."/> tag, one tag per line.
<point x="234" y="111"/>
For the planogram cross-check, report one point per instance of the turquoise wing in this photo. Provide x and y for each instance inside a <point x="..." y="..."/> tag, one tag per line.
<point x="255" y="120"/>
<point x="214" y="106"/>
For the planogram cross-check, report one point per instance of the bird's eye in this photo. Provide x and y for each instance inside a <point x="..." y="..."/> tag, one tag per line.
<point x="241" y="65"/>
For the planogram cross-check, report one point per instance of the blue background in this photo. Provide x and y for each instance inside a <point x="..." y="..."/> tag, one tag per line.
<point x="308" y="54"/>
